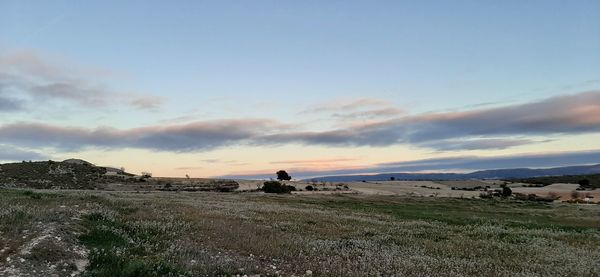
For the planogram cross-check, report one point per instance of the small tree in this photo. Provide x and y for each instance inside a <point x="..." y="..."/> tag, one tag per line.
<point x="392" y="178"/>
<point x="146" y="174"/>
<point x="282" y="175"/>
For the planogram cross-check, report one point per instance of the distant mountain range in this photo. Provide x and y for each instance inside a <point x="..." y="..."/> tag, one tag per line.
<point x="513" y="173"/>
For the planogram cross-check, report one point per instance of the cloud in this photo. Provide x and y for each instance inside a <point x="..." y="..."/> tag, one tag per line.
<point x="8" y="104"/>
<point x="316" y="161"/>
<point x="492" y="128"/>
<point x="534" y="160"/>
<point x="358" y="109"/>
<point x="197" y="136"/>
<point x="568" y="114"/>
<point x="370" y="114"/>
<point x="189" y="168"/>
<point x="346" y="105"/>
<point x="148" y="102"/>
<point x="475" y="144"/>
<point x="12" y="153"/>
<point x="30" y="75"/>
<point x="457" y="164"/>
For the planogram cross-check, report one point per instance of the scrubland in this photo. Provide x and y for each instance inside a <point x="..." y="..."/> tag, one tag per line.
<point x="99" y="233"/>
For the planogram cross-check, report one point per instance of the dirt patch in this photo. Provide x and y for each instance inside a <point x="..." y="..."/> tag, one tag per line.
<point x="53" y="251"/>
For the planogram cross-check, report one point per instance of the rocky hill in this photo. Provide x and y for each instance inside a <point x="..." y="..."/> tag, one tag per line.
<point x="79" y="174"/>
<point x="51" y="174"/>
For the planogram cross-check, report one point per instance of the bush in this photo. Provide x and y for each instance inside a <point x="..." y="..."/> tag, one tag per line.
<point x="309" y="188"/>
<point x="277" y="187"/>
<point x="506" y="191"/>
<point x="584" y="183"/>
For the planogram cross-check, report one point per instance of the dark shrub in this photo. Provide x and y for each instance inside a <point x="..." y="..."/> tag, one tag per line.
<point x="506" y="191"/>
<point x="309" y="188"/>
<point x="277" y="187"/>
<point x="392" y="178"/>
<point x="584" y="183"/>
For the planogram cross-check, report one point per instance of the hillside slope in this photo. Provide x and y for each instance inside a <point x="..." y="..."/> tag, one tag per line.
<point x="50" y="174"/>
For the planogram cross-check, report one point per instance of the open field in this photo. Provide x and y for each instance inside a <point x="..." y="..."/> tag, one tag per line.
<point x="99" y="233"/>
<point x="431" y="188"/>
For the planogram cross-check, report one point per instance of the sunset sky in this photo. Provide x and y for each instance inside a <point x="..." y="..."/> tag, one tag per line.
<point x="245" y="88"/>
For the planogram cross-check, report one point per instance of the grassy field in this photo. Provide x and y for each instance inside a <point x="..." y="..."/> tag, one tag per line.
<point x="193" y="234"/>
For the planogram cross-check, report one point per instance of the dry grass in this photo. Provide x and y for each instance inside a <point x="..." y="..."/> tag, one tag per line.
<point x="199" y="234"/>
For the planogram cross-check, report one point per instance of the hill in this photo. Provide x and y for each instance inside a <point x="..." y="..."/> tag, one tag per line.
<point x="513" y="173"/>
<point x="50" y="174"/>
<point x="80" y="174"/>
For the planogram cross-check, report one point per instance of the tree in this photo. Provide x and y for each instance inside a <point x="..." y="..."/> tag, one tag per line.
<point x="392" y="178"/>
<point x="282" y="175"/>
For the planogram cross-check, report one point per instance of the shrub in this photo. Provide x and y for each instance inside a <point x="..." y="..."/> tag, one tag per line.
<point x="277" y="187"/>
<point x="584" y="183"/>
<point x="506" y="191"/>
<point x="309" y="188"/>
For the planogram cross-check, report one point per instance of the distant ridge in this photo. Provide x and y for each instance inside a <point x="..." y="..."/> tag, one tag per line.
<point x="512" y="173"/>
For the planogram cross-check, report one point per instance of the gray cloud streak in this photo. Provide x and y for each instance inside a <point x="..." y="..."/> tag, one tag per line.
<point x="27" y="74"/>
<point x="494" y="128"/>
<point x="186" y="137"/>
<point x="457" y="164"/>
<point x="578" y="113"/>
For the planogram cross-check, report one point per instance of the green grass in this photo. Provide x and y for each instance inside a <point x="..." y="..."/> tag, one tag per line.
<point x="119" y="249"/>
<point x="468" y="212"/>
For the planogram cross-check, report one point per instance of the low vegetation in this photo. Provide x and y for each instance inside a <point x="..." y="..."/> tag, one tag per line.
<point x="277" y="187"/>
<point x="48" y="174"/>
<point x="79" y="174"/>
<point x="585" y="181"/>
<point x="204" y="233"/>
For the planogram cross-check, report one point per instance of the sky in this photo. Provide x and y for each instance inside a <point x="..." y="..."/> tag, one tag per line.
<point x="245" y="88"/>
